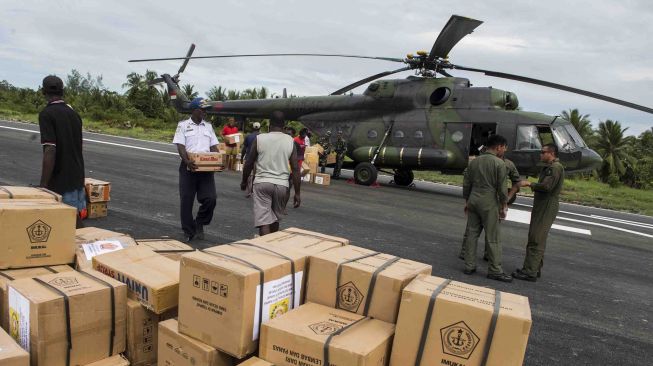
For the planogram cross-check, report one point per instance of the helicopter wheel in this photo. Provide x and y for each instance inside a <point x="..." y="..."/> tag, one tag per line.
<point x="365" y="174"/>
<point x="403" y="177"/>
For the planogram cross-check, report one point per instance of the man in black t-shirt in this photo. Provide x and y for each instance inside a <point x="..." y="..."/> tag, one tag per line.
<point x="61" y="137"/>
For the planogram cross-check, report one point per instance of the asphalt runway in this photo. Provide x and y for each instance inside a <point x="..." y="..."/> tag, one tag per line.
<point x="591" y="307"/>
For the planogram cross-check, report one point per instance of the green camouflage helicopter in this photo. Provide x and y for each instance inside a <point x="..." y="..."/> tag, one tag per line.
<point x="423" y="122"/>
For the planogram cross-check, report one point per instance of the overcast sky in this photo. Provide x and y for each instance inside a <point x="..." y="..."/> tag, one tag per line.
<point x="602" y="46"/>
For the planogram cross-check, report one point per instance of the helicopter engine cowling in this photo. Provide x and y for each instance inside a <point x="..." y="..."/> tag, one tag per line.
<point x="398" y="157"/>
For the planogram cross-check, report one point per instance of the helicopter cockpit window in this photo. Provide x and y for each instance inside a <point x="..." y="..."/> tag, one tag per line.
<point x="578" y="140"/>
<point x="419" y="135"/>
<point x="563" y="139"/>
<point x="372" y="134"/>
<point x="528" y="138"/>
<point x="399" y="134"/>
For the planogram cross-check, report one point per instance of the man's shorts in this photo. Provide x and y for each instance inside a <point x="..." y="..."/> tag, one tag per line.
<point x="231" y="150"/>
<point x="76" y="198"/>
<point x="269" y="203"/>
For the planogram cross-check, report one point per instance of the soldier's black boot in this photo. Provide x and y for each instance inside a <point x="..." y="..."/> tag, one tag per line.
<point x="500" y="277"/>
<point x="520" y="275"/>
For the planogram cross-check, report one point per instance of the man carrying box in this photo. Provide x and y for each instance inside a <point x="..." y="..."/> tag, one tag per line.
<point x="232" y="149"/>
<point x="195" y="135"/>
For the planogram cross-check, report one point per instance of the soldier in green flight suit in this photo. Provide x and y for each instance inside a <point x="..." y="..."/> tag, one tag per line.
<point x="325" y="142"/>
<point x="486" y="199"/>
<point x="340" y="148"/>
<point x="545" y="208"/>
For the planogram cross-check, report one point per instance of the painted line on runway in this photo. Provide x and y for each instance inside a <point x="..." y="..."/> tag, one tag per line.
<point x="102" y="142"/>
<point x="607" y="226"/>
<point x="524" y="217"/>
<point x="603" y="218"/>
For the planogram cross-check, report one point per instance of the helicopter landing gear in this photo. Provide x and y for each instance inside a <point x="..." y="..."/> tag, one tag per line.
<point x="365" y="174"/>
<point x="403" y="177"/>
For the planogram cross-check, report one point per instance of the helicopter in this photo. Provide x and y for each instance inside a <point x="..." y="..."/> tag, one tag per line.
<point x="423" y="122"/>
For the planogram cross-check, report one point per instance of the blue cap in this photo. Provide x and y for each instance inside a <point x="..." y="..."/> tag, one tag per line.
<point x="196" y="103"/>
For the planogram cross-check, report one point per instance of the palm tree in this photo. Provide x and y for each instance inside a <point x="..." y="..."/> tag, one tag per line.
<point x="217" y="93"/>
<point x="613" y="148"/>
<point x="189" y="91"/>
<point x="134" y="83"/>
<point x="581" y="123"/>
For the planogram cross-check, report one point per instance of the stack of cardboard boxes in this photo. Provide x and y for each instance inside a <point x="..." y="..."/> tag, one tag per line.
<point x="310" y="168"/>
<point x="98" y="194"/>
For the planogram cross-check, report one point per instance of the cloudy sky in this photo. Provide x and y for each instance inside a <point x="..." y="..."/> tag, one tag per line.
<point x="602" y="46"/>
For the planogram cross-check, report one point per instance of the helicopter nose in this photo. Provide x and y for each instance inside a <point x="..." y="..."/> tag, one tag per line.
<point x="590" y="159"/>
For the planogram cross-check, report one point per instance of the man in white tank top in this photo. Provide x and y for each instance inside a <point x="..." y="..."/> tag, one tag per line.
<point x="275" y="158"/>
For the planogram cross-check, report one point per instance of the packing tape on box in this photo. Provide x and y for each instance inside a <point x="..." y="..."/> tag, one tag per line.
<point x="66" y="312"/>
<point x="11" y="278"/>
<point x="325" y="356"/>
<point x="339" y="274"/>
<point x="429" y="314"/>
<point x="112" y="333"/>
<point x="11" y="195"/>
<point x="370" y="292"/>
<point x="277" y="254"/>
<point x="261" y="280"/>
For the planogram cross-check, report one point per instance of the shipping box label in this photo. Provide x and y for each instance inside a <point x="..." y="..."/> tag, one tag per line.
<point x="101" y="247"/>
<point x="277" y="296"/>
<point x="19" y="319"/>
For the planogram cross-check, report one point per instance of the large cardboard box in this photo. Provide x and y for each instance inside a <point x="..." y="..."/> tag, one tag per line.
<point x="11" y="354"/>
<point x="36" y="233"/>
<point x="151" y="278"/>
<point x="331" y="158"/>
<point x="97" y="190"/>
<point x="301" y="336"/>
<point x="10" y="275"/>
<point x="236" y="138"/>
<point x="50" y="310"/>
<point x="459" y="327"/>
<point x="255" y="361"/>
<point x="92" y="241"/>
<point x="300" y="240"/>
<point x="207" y="162"/>
<point x="176" y="349"/>
<point x="367" y="279"/>
<point x="22" y="193"/>
<point x="96" y="210"/>
<point x="142" y="333"/>
<point x="116" y="360"/>
<point x="169" y="248"/>
<point x="322" y="179"/>
<point x="221" y="290"/>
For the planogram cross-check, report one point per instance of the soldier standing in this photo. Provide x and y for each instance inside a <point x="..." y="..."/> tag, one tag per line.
<point x="545" y="208"/>
<point x="486" y="199"/>
<point x="340" y="148"/>
<point x="325" y="142"/>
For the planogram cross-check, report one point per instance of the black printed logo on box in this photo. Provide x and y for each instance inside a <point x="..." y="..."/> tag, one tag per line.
<point x="38" y="232"/>
<point x="64" y="282"/>
<point x="459" y="340"/>
<point x="325" y="328"/>
<point x="349" y="297"/>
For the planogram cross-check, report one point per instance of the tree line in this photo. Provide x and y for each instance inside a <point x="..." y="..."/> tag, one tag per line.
<point x="626" y="159"/>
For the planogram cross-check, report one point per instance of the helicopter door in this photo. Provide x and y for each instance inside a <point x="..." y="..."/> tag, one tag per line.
<point x="481" y="132"/>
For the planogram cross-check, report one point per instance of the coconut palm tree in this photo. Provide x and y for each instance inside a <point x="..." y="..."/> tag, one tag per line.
<point x="613" y="146"/>
<point x="581" y="123"/>
<point x="189" y="91"/>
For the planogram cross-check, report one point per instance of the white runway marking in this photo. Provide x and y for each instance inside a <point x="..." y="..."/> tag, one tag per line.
<point x="524" y="217"/>
<point x="102" y="142"/>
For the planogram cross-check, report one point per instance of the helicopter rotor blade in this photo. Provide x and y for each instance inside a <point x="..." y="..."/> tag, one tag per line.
<point x="445" y="73"/>
<point x="456" y="29"/>
<point x="392" y="59"/>
<point x="187" y="58"/>
<point x="155" y="81"/>
<point x="367" y="80"/>
<point x="549" y="84"/>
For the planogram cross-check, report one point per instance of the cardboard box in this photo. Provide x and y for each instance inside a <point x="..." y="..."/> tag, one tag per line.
<point x="169" y="248"/>
<point x="11" y="354"/>
<point x="22" y="193"/>
<point x="97" y="209"/>
<point x="208" y="162"/>
<point x="458" y="330"/>
<point x="220" y="292"/>
<point x="255" y="361"/>
<point x="96" y="320"/>
<point x="322" y="179"/>
<point x="312" y="158"/>
<point x="36" y="233"/>
<point x="142" y="333"/>
<point x="8" y="276"/>
<point x="236" y="138"/>
<point x="331" y="158"/>
<point x="151" y="278"/>
<point x="308" y="178"/>
<point x="299" y="337"/>
<point x="92" y="241"/>
<point x="352" y="291"/>
<point x="116" y="360"/>
<point x="315" y="148"/>
<point x="97" y="190"/>
<point x="299" y="240"/>
<point x="179" y="350"/>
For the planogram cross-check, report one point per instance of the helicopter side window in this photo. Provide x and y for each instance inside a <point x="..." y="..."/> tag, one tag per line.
<point x="372" y="134"/>
<point x="578" y="140"/>
<point x="399" y="134"/>
<point x="563" y="139"/>
<point x="528" y="138"/>
<point x="419" y="135"/>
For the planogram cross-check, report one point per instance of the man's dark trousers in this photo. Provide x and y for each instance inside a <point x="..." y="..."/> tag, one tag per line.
<point x="191" y="184"/>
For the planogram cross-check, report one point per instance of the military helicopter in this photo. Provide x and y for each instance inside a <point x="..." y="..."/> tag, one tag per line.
<point x="423" y="122"/>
